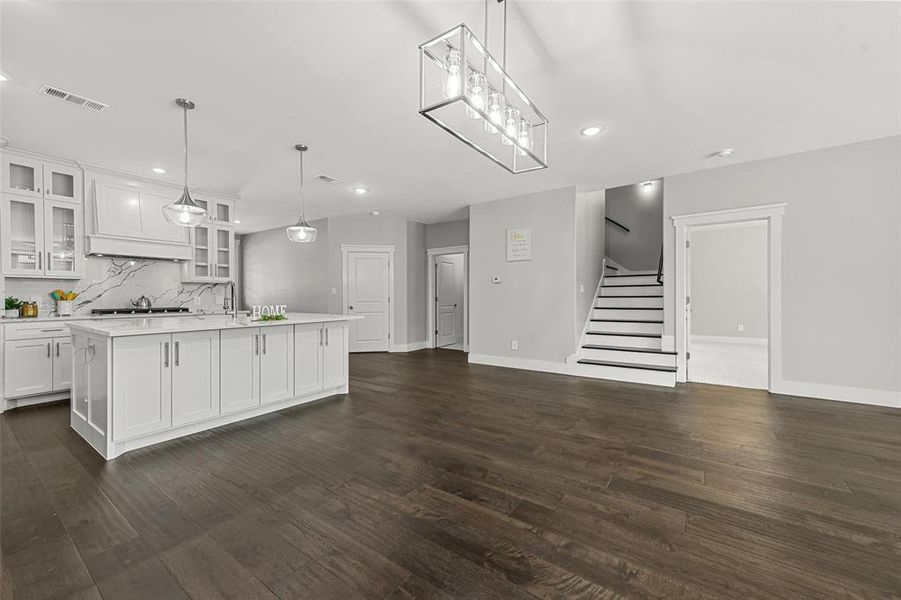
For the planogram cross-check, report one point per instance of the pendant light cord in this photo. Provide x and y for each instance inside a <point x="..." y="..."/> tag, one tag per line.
<point x="184" y="109"/>
<point x="303" y="211"/>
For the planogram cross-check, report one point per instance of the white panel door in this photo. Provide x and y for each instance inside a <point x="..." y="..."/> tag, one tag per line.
<point x="195" y="376"/>
<point x="28" y="367"/>
<point x="308" y="340"/>
<point x="62" y="364"/>
<point x="368" y="296"/>
<point x="142" y="385"/>
<point x="446" y="278"/>
<point x="239" y="369"/>
<point x="334" y="355"/>
<point x="276" y="363"/>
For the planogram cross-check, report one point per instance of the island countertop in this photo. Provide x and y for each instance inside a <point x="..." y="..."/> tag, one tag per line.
<point x="149" y="326"/>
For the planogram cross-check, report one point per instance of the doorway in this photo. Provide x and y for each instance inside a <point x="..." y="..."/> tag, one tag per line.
<point x="368" y="278"/>
<point x="726" y="316"/>
<point x="448" y="298"/>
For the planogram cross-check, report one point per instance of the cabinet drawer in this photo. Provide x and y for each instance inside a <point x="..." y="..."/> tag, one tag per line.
<point x="29" y="331"/>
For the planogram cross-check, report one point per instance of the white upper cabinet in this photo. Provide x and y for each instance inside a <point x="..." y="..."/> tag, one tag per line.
<point x="31" y="177"/>
<point x="212" y="246"/>
<point x="132" y="212"/>
<point x="41" y="238"/>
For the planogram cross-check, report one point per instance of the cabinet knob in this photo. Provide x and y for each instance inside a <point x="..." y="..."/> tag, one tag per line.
<point x="350" y="308"/>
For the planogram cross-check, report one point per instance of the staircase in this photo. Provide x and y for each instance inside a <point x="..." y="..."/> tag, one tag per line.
<point x="623" y="338"/>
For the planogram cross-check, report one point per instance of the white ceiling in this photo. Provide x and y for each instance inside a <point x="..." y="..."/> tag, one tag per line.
<point x="671" y="82"/>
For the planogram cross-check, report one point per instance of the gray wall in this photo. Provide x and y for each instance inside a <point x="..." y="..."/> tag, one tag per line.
<point x="277" y="271"/>
<point x="641" y="211"/>
<point x="590" y="234"/>
<point x="729" y="281"/>
<point x="841" y="257"/>
<point x="447" y="234"/>
<point x="535" y="301"/>
<point x="416" y="282"/>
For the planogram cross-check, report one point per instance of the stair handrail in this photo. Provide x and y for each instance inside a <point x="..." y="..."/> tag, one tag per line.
<point x="660" y="267"/>
<point x="617" y="223"/>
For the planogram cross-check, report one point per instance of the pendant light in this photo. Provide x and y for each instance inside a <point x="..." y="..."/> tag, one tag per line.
<point x="302" y="232"/>
<point x="185" y="212"/>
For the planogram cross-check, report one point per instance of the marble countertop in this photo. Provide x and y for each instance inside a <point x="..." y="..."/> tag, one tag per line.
<point x="149" y="326"/>
<point x="55" y="318"/>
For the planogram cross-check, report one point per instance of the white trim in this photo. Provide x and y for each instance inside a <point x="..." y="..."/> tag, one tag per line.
<point x="773" y="215"/>
<point x="529" y="364"/>
<point x="729" y="339"/>
<point x="11" y="403"/>
<point x="392" y="293"/>
<point x="431" y="254"/>
<point x="594" y="302"/>
<point x="732" y="225"/>
<point x="668" y="343"/>
<point x="411" y="347"/>
<point x="840" y="393"/>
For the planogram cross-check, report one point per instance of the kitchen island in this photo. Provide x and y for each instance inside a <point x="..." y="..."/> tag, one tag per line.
<point x="141" y="381"/>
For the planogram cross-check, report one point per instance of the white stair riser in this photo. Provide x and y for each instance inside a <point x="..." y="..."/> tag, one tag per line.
<point x="612" y="301"/>
<point x="645" y="358"/>
<point x="628" y="290"/>
<point x="637" y="315"/>
<point x="625" y="327"/>
<point x="624" y="374"/>
<point x="622" y="340"/>
<point x="632" y="280"/>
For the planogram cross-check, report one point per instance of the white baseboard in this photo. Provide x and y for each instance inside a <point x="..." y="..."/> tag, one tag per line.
<point x="529" y="364"/>
<point x="840" y="393"/>
<point x="411" y="347"/>
<point x="11" y="403"/>
<point x="725" y="339"/>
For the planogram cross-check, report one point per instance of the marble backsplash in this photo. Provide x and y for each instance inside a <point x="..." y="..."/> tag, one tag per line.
<point x="114" y="282"/>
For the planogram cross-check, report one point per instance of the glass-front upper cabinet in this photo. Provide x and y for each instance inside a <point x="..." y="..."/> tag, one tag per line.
<point x="31" y="177"/>
<point x="225" y="246"/>
<point x="22" y="236"/>
<point x="201" y="263"/>
<point x="62" y="239"/>
<point x="212" y="245"/>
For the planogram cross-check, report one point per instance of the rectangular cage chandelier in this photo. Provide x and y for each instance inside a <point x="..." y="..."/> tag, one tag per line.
<point x="466" y="92"/>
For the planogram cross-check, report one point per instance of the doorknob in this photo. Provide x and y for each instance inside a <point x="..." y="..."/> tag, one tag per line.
<point x="350" y="308"/>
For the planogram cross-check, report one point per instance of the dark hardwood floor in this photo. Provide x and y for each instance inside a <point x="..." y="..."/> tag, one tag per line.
<point x="436" y="479"/>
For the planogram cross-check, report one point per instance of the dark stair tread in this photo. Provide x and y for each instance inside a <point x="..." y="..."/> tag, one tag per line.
<point x="611" y="268"/>
<point x="628" y="349"/>
<point x="625" y="296"/>
<point x="610" y="363"/>
<point x="634" y="275"/>
<point x="624" y="321"/>
<point x="619" y="333"/>
<point x="627" y="307"/>
<point x="635" y="285"/>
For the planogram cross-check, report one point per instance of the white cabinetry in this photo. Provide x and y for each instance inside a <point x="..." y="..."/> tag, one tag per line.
<point x="307" y="358"/>
<point x="35" y="178"/>
<point x="142" y="385"/>
<point x="62" y="364"/>
<point x="28" y="368"/>
<point x="276" y="363"/>
<point x="240" y="369"/>
<point x="41" y="238"/>
<point x="212" y="246"/>
<point x="334" y="355"/>
<point x="133" y="211"/>
<point x="195" y="376"/>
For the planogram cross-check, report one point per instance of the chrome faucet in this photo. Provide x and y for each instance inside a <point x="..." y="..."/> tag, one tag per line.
<point x="230" y="301"/>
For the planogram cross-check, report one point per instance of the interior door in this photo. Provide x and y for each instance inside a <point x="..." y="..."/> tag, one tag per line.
<point x="239" y="369"/>
<point x="368" y="295"/>
<point x="688" y="304"/>
<point x="446" y="303"/>
<point x="195" y="376"/>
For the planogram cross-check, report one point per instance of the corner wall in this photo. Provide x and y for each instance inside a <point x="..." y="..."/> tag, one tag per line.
<point x="535" y="301"/>
<point x="590" y="236"/>
<point x="841" y="263"/>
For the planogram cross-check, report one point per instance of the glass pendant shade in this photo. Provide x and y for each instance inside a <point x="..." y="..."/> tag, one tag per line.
<point x="301" y="232"/>
<point x="466" y="92"/>
<point x="185" y="212"/>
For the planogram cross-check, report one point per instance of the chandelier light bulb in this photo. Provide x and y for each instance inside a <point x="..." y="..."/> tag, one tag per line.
<point x="511" y="125"/>
<point x="453" y="83"/>
<point x="476" y="88"/>
<point x="524" y="136"/>
<point x="495" y="112"/>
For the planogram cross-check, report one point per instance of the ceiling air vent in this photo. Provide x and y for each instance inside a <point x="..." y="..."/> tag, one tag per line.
<point x="60" y="94"/>
<point x="329" y="180"/>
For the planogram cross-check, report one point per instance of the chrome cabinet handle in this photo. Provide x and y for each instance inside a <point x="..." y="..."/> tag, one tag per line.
<point x="256" y="345"/>
<point x="48" y="259"/>
<point x="264" y="343"/>
<point x="320" y="336"/>
<point x="166" y="354"/>
<point x="176" y="353"/>
<point x="49" y="330"/>
<point x="48" y="349"/>
<point x="326" y="336"/>
<point x="40" y="261"/>
<point x="57" y="349"/>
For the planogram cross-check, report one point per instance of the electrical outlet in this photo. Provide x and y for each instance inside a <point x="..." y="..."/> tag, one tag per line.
<point x="514" y="344"/>
<point x="581" y="289"/>
<point x="741" y="327"/>
<point x="334" y="291"/>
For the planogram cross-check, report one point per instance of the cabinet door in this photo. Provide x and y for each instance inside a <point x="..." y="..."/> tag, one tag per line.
<point x="142" y="385"/>
<point x="307" y="358"/>
<point x="154" y="225"/>
<point x="224" y="257"/>
<point x="22" y="176"/>
<point x="62" y="239"/>
<point x="195" y="376"/>
<point x="239" y="369"/>
<point x="201" y="266"/>
<point x="28" y="367"/>
<point x="62" y="364"/>
<point x="62" y="183"/>
<point x="334" y="355"/>
<point x="276" y="363"/>
<point x="22" y="235"/>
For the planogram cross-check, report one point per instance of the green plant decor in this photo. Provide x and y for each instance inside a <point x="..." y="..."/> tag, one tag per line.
<point x="12" y="303"/>
<point x="272" y="317"/>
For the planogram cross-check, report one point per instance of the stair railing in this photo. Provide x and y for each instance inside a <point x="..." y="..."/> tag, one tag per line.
<point x="618" y="224"/>
<point x="660" y="267"/>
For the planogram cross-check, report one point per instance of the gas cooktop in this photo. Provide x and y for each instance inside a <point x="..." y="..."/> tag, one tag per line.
<point x="139" y="311"/>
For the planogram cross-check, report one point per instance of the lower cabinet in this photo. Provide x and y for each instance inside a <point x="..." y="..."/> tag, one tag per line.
<point x="62" y="364"/>
<point x="334" y="355"/>
<point x="239" y="372"/>
<point x="28" y="367"/>
<point x="195" y="376"/>
<point x="276" y="363"/>
<point x="142" y="385"/>
<point x="307" y="358"/>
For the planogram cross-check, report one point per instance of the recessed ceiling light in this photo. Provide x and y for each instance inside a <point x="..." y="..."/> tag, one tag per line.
<point x="592" y="130"/>
<point x="647" y="186"/>
<point x="4" y="76"/>
<point x="374" y="213"/>
<point x="724" y="153"/>
<point x="158" y="170"/>
<point x="360" y="190"/>
<point x="237" y="221"/>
